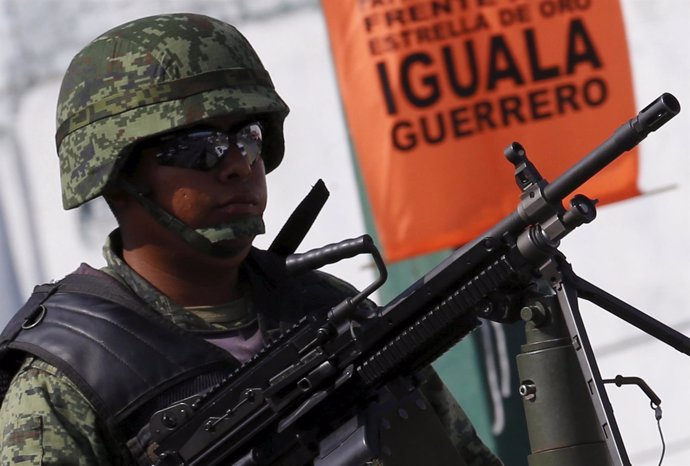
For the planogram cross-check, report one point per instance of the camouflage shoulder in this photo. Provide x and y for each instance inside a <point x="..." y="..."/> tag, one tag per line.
<point x="46" y="421"/>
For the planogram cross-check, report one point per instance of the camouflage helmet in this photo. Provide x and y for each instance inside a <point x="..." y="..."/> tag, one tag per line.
<point x="150" y="76"/>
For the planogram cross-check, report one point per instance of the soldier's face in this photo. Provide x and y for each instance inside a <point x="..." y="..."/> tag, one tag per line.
<point x="233" y="188"/>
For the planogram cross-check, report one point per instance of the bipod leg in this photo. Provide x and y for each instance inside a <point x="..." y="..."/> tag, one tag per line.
<point x="631" y="315"/>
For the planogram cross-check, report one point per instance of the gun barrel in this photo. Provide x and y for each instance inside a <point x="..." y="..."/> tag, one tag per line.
<point x="651" y="118"/>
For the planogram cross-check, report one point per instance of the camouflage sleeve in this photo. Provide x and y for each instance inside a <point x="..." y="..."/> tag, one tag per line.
<point x="456" y="422"/>
<point x="46" y="421"/>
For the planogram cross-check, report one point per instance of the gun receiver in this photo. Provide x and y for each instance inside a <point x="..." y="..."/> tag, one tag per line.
<point x="265" y="412"/>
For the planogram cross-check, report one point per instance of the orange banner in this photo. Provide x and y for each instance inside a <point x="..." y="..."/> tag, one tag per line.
<point x="434" y="90"/>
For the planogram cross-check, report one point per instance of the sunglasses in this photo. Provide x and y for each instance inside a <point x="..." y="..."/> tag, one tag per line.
<point x="202" y="149"/>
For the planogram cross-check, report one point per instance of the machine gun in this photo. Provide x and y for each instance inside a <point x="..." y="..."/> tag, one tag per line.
<point x="342" y="390"/>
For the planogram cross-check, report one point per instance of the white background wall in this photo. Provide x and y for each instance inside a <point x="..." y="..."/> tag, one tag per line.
<point x="635" y="249"/>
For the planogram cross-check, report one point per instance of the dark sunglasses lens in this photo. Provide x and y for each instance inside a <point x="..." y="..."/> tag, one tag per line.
<point x="249" y="141"/>
<point x="201" y="150"/>
<point x="182" y="152"/>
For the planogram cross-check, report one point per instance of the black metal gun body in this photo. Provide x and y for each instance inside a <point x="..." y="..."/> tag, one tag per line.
<point x="319" y="374"/>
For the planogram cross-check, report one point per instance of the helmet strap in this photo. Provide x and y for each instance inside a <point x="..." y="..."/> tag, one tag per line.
<point x="205" y="240"/>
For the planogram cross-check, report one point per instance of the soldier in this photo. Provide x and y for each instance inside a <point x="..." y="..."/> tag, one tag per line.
<point x="175" y="121"/>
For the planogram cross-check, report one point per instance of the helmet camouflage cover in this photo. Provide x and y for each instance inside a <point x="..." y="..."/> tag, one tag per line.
<point x="150" y="76"/>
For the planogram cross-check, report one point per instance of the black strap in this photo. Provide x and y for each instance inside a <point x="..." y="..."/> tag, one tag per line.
<point x="300" y="221"/>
